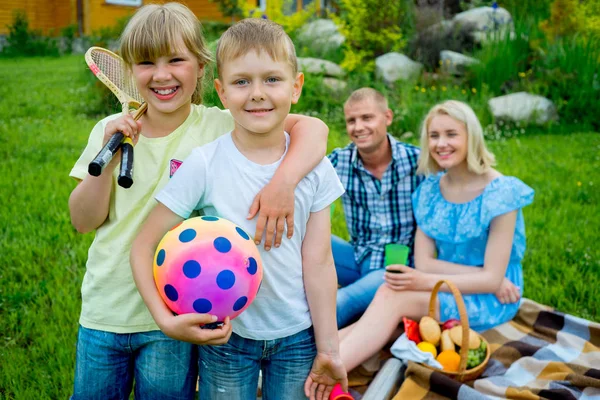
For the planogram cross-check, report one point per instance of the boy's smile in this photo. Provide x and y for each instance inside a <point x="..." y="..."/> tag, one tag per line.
<point x="258" y="91"/>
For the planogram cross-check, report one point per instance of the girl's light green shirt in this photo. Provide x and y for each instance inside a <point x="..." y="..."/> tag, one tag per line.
<point x="110" y="300"/>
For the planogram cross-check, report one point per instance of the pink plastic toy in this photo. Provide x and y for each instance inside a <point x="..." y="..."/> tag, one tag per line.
<point x="207" y="265"/>
<point x="338" y="393"/>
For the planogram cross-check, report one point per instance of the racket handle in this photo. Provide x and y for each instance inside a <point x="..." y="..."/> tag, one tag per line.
<point x="125" y="179"/>
<point x="105" y="155"/>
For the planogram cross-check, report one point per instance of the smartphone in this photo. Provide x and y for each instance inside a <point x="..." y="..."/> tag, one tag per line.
<point x="396" y="253"/>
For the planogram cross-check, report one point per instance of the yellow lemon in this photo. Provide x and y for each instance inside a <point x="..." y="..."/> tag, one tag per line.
<point x="428" y="348"/>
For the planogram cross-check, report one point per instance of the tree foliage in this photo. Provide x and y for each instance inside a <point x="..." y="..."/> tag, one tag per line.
<point x="372" y="28"/>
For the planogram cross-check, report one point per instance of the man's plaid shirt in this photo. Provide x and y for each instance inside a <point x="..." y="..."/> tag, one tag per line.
<point x="378" y="212"/>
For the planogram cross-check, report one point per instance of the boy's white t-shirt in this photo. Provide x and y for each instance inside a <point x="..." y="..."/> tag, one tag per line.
<point x="220" y="180"/>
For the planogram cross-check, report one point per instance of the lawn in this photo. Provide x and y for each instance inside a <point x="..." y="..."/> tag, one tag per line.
<point x="44" y="124"/>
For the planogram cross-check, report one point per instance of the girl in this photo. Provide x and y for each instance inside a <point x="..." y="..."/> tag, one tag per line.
<point x="118" y="341"/>
<point x="470" y="230"/>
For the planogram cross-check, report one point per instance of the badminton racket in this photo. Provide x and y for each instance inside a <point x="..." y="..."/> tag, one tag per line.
<point x="110" y="70"/>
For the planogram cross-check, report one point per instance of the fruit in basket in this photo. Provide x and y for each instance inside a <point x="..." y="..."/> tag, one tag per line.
<point x="430" y="330"/>
<point x="427" y="348"/>
<point x="451" y="323"/>
<point x="450" y="360"/>
<point x="412" y="330"/>
<point x="456" y="335"/>
<point x="446" y="343"/>
<point x="476" y="356"/>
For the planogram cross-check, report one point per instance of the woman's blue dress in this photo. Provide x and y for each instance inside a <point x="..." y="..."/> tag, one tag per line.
<point x="460" y="232"/>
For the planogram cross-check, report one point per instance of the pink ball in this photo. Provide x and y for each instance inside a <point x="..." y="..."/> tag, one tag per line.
<point x="207" y="265"/>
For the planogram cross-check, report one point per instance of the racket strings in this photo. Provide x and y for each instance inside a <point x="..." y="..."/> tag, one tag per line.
<point x="114" y="69"/>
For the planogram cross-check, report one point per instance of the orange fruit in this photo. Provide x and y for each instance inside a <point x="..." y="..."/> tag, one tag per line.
<point x="427" y="348"/>
<point x="449" y="359"/>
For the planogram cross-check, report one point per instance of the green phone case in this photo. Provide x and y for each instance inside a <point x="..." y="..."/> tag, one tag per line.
<point x="396" y="254"/>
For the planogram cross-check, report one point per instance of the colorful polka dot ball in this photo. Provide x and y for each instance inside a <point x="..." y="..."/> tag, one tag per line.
<point x="207" y="265"/>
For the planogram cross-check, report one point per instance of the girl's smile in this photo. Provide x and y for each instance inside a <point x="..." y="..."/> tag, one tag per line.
<point x="169" y="82"/>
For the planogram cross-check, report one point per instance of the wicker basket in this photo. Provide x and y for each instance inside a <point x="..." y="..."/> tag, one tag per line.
<point x="463" y="374"/>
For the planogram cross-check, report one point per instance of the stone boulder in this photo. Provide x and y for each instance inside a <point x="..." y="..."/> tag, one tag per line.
<point x="455" y="63"/>
<point x="392" y="67"/>
<point x="486" y="21"/>
<point x="335" y="85"/>
<point x="321" y="35"/>
<point x="317" y="66"/>
<point x="523" y="107"/>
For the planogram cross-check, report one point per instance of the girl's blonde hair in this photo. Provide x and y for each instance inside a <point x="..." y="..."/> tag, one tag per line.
<point x="479" y="158"/>
<point x="155" y="30"/>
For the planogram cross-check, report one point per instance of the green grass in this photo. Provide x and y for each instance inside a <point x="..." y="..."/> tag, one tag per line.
<point x="43" y="128"/>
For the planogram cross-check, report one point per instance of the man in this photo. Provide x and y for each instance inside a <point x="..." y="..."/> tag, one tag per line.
<point x="378" y="173"/>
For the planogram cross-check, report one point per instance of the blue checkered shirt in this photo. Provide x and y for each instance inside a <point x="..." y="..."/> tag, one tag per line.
<point x="378" y="212"/>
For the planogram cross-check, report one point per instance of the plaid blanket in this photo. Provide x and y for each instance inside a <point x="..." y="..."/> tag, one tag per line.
<point x="540" y="354"/>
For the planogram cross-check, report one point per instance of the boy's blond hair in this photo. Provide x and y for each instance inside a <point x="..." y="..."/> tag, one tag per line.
<point x="479" y="158"/>
<point x="156" y="29"/>
<point x="367" y="93"/>
<point x="258" y="35"/>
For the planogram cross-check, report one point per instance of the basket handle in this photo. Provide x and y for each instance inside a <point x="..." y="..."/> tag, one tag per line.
<point x="464" y="320"/>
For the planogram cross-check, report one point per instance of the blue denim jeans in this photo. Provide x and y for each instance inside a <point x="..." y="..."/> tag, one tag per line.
<point x="108" y="363"/>
<point x="230" y="371"/>
<point x="359" y="283"/>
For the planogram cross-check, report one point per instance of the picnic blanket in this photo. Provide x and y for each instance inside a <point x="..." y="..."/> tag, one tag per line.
<point x="540" y="354"/>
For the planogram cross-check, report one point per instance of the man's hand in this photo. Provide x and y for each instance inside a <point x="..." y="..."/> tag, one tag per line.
<point x="275" y="206"/>
<point x="327" y="370"/>
<point x="188" y="328"/>
<point x="508" y="293"/>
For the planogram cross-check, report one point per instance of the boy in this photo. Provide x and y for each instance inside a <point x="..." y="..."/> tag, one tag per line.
<point x="289" y="331"/>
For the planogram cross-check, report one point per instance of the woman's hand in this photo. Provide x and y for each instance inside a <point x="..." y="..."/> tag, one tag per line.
<point x="508" y="293"/>
<point x="275" y="207"/>
<point x="400" y="277"/>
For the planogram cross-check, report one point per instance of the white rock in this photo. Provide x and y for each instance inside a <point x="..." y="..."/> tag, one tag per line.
<point x="335" y="85"/>
<point x="321" y="35"/>
<point x="392" y="67"/>
<point x="317" y="66"/>
<point x="523" y="106"/>
<point x="455" y="63"/>
<point x="487" y="21"/>
<point x="484" y="18"/>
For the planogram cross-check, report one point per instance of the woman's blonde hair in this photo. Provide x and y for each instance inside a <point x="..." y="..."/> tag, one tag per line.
<point x="479" y="158"/>
<point x="155" y="30"/>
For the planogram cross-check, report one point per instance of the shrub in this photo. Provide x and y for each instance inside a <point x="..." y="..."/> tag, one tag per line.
<point x="569" y="17"/>
<point x="564" y="19"/>
<point x="22" y="41"/>
<point x="231" y="8"/>
<point x="568" y="74"/>
<point x="212" y="30"/>
<point x="502" y="58"/>
<point x="372" y="28"/>
<point x="68" y="34"/>
<point x="283" y="12"/>
<point x="426" y="45"/>
<point x="107" y="36"/>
